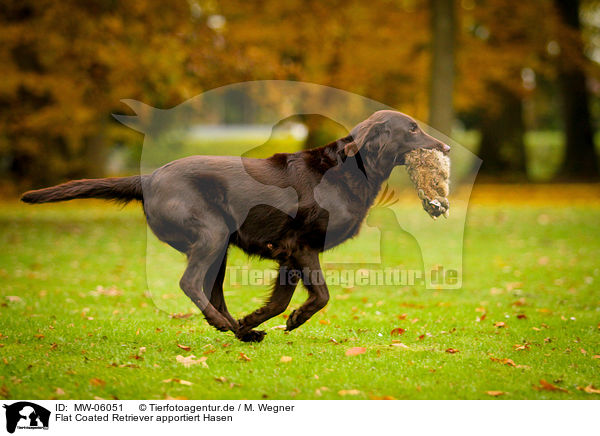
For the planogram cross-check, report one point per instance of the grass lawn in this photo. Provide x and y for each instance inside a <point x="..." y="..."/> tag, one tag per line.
<point x="76" y="321"/>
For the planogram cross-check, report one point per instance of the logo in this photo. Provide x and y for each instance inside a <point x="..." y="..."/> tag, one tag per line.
<point x="26" y="415"/>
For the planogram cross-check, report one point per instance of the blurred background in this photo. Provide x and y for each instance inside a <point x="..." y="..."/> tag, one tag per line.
<point x="84" y="287"/>
<point x="517" y="82"/>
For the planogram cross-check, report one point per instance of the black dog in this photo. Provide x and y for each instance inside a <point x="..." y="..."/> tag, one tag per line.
<point x="267" y="207"/>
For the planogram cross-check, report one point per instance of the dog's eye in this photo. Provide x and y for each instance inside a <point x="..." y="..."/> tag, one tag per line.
<point x="413" y="128"/>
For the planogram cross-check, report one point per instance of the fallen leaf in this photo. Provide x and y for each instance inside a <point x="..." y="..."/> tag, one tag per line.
<point x="285" y="359"/>
<point x="221" y="379"/>
<point x="495" y="393"/>
<point x="142" y="350"/>
<point x="184" y="347"/>
<point x="397" y="331"/>
<point x="583" y="351"/>
<point x="127" y="365"/>
<point x="521" y="316"/>
<point x="14" y="298"/>
<point x="452" y="350"/>
<point x="520" y="302"/>
<point x="499" y="324"/>
<point x="191" y="360"/>
<point x="589" y="389"/>
<point x="508" y="362"/>
<point x="97" y="382"/>
<point x="519" y="347"/>
<point x="345" y="392"/>
<point x="398" y="344"/>
<point x="181" y="315"/>
<point x="416" y="306"/>
<point x="547" y="386"/>
<point x="355" y="351"/>
<point x="596" y="356"/>
<point x="321" y="389"/>
<point x="384" y="397"/>
<point x="244" y="357"/>
<point x="176" y="380"/>
<point x="59" y="391"/>
<point x="324" y="321"/>
<point x="111" y="292"/>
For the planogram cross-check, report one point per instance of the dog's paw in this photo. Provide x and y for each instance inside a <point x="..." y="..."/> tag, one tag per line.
<point x="292" y="321"/>
<point x="253" y="336"/>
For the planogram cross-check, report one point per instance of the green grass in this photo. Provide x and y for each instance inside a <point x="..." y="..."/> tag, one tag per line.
<point x="59" y="333"/>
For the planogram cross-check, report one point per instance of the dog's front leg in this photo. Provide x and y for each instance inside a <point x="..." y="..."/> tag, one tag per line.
<point x="318" y="294"/>
<point x="283" y="290"/>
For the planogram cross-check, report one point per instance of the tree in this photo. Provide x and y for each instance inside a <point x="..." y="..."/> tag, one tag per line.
<point x="441" y="104"/>
<point x="497" y="42"/>
<point x="502" y="148"/>
<point x="580" y="159"/>
<point x="67" y="64"/>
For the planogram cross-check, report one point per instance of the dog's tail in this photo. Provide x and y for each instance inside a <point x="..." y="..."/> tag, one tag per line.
<point x="122" y="189"/>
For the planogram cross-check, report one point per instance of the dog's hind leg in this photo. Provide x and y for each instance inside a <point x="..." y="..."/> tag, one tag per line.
<point x="214" y="279"/>
<point x="279" y="300"/>
<point x="318" y="294"/>
<point x="208" y="250"/>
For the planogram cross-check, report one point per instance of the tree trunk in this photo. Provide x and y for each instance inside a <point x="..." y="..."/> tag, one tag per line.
<point x="441" y="112"/>
<point x="502" y="149"/>
<point x="580" y="160"/>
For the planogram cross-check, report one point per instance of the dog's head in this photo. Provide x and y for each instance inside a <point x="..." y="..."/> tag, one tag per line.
<point x="387" y="136"/>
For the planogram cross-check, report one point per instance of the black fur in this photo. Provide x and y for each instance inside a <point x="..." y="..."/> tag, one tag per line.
<point x="123" y="189"/>
<point x="289" y="208"/>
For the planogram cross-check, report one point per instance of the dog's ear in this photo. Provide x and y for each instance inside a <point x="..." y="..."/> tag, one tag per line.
<point x="368" y="135"/>
<point x="350" y="149"/>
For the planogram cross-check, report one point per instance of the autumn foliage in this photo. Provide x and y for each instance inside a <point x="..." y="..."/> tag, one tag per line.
<point x="67" y="64"/>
